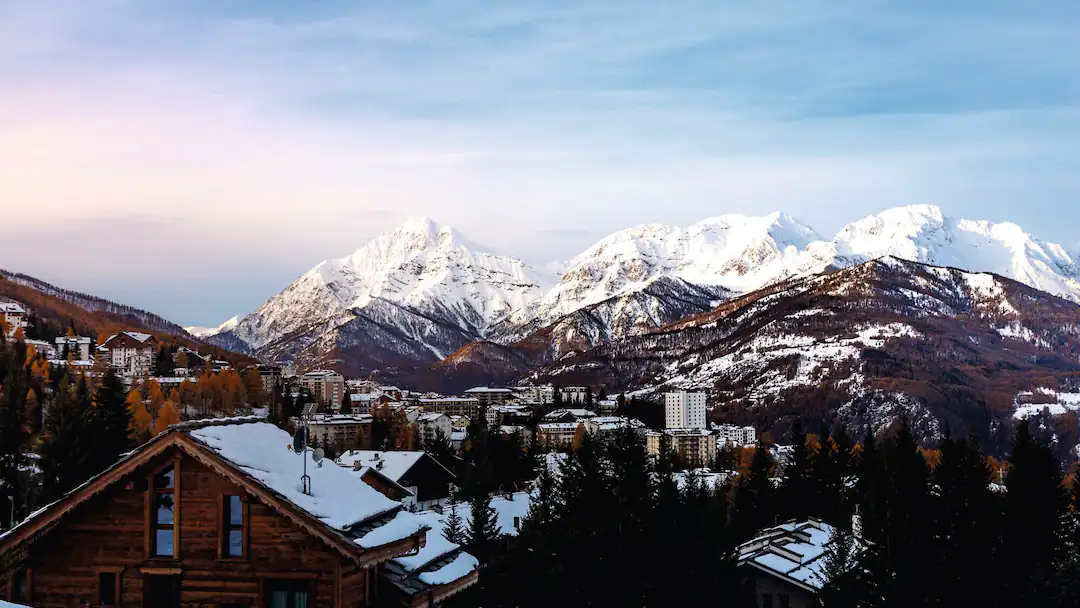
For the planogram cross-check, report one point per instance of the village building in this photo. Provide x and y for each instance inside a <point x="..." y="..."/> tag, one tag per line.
<point x="325" y="386"/>
<point x="428" y="480"/>
<point x="554" y="435"/>
<point x="731" y="434"/>
<point x="784" y="565"/>
<point x="364" y="403"/>
<point x="432" y="424"/>
<point x="77" y="347"/>
<point x="452" y="406"/>
<point x="695" y="447"/>
<point x="535" y="394"/>
<point x="130" y="353"/>
<point x="271" y="376"/>
<point x="214" y="514"/>
<point x="608" y="428"/>
<point x="568" y="415"/>
<point x="12" y="318"/>
<point x="340" y="432"/>
<point x="607" y="407"/>
<point x="574" y="395"/>
<point x="498" y="415"/>
<point x="490" y="396"/>
<point x="684" y="410"/>
<point x="393" y="392"/>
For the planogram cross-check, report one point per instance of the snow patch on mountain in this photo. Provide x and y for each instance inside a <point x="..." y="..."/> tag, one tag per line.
<point x="202" y="332"/>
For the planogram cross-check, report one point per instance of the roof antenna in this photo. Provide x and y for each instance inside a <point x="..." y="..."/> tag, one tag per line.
<point x="300" y="446"/>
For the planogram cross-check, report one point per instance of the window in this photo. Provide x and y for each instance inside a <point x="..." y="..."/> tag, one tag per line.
<point x="232" y="526"/>
<point x="163" y="516"/>
<point x="108" y="589"/>
<point x="20" y="586"/>
<point x="287" y="594"/>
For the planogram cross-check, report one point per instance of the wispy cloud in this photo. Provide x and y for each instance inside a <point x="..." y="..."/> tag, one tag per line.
<point x="277" y="134"/>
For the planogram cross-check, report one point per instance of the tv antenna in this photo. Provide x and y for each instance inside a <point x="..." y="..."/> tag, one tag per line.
<point x="301" y="445"/>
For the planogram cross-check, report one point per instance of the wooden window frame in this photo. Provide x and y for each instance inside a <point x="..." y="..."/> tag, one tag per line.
<point x="151" y="512"/>
<point x="119" y="589"/>
<point x="307" y="579"/>
<point x="10" y="595"/>
<point x="224" y="527"/>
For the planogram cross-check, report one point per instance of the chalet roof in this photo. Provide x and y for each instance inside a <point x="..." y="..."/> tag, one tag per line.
<point x="342" y="511"/>
<point x="126" y="336"/>
<point x="12" y="308"/>
<point x="394" y="464"/>
<point x="429" y="416"/>
<point x="441" y="560"/>
<point x="793" y="552"/>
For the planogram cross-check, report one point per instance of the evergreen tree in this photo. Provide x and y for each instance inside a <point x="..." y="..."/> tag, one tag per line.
<point x="441" y="449"/>
<point x="1035" y="534"/>
<point x="908" y="535"/>
<point x="110" y="422"/>
<point x="754" y="505"/>
<point x="13" y="433"/>
<point x="346" y="403"/>
<point x="845" y="582"/>
<point x="454" y="527"/>
<point x="66" y="445"/>
<point x="483" y="531"/>
<point x="796" y="493"/>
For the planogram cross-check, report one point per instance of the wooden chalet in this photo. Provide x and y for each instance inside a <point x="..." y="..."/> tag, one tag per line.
<point x="426" y="478"/>
<point x="214" y="515"/>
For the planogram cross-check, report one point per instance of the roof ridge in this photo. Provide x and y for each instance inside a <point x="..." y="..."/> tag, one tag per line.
<point x="194" y="425"/>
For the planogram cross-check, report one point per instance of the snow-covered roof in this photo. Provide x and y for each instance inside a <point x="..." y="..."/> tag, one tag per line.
<point x="338" y="499"/>
<point x="791" y="551"/>
<point x="12" y="308"/>
<point x="4" y="604"/>
<point x="485" y="389"/>
<point x="555" y="427"/>
<point x="430" y="416"/>
<point x="341" y="419"/>
<point x="394" y="463"/>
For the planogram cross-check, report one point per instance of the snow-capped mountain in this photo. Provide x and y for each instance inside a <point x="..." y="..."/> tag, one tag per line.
<point x="948" y="348"/>
<point x="202" y="332"/>
<point x="725" y="254"/>
<point x="734" y="254"/>
<point x="422" y="282"/>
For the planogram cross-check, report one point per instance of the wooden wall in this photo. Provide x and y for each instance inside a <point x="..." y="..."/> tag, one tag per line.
<point x="109" y="532"/>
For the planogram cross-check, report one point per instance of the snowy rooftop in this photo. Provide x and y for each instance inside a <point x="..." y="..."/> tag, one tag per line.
<point x="393" y="464"/>
<point x="791" y="551"/>
<point x="263" y="452"/>
<point x="554" y="427"/>
<point x="11" y="308"/>
<point x="487" y="389"/>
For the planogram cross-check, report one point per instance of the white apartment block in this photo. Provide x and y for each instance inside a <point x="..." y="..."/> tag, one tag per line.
<point x="431" y="423"/>
<point x="738" y="435"/>
<point x="684" y="410"/>
<point x="557" y="434"/>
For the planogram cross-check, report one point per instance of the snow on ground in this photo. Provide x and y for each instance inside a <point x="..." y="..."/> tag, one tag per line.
<point x="1059" y="403"/>
<point x="1016" y="331"/>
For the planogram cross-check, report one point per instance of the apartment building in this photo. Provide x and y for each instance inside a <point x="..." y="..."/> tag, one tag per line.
<point x="684" y="410"/>
<point x="325" y="386"/>
<point x="694" y="447"/>
<point x="77" y="347"/>
<point x="129" y="352"/>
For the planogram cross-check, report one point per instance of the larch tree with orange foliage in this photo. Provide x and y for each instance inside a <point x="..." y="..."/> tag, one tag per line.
<point x="142" y="422"/>
<point x="168" y="414"/>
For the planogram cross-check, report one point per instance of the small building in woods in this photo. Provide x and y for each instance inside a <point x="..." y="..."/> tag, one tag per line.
<point x="784" y="565"/>
<point x="214" y="514"/>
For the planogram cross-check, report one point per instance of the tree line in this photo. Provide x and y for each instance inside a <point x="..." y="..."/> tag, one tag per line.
<point x="614" y="527"/>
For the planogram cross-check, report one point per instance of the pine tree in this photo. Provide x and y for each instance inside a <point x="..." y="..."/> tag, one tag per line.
<point x="754" y="505"/>
<point x="13" y="433"/>
<point x="845" y="583"/>
<point x="111" y="422"/>
<point x="1035" y="509"/>
<point x="66" y="444"/>
<point x="346" y="403"/>
<point x="454" y="527"/>
<point x="483" y="531"/>
<point x="795" y="494"/>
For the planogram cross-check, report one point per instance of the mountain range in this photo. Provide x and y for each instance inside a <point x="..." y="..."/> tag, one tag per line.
<point x="414" y="295"/>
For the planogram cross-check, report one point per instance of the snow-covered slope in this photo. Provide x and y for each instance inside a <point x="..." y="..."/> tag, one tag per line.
<point x="922" y="233"/>
<point x="736" y="253"/>
<point x="422" y="282"/>
<point x="202" y="332"/>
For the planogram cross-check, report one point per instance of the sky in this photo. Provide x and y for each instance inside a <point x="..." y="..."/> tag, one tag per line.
<point x="193" y="158"/>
